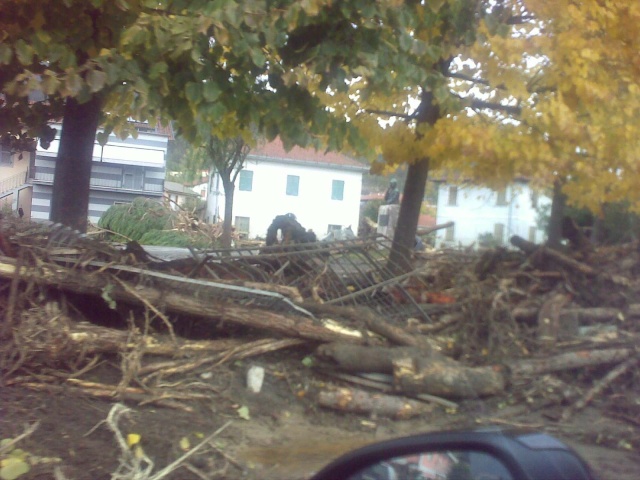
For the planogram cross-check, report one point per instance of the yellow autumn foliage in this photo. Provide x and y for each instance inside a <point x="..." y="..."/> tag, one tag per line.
<point x="565" y="84"/>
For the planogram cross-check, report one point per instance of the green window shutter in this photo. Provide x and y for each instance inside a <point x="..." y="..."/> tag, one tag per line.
<point x="293" y="185"/>
<point x="246" y="181"/>
<point x="337" y="190"/>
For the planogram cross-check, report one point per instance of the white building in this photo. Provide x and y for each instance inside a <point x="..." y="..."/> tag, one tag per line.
<point x="481" y="213"/>
<point x="321" y="190"/>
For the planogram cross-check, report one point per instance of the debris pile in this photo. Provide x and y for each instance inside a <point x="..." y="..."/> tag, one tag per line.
<point x="531" y="326"/>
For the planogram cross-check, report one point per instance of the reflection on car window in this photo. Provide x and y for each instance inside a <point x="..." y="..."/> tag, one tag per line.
<point x="437" y="466"/>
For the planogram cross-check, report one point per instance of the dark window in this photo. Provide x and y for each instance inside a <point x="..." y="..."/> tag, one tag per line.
<point x="453" y="196"/>
<point x="132" y="178"/>
<point x="501" y="199"/>
<point x="334" y="228"/>
<point x="245" y="182"/>
<point x="293" y="185"/>
<point x="337" y="190"/>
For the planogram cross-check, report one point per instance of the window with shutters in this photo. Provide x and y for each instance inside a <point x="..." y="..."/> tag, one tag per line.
<point x="337" y="190"/>
<point x="453" y="196"/>
<point x="245" y="180"/>
<point x="293" y="185"/>
<point x="501" y="199"/>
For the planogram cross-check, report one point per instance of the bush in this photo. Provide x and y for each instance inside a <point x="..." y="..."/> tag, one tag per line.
<point x="176" y="238"/>
<point x="133" y="220"/>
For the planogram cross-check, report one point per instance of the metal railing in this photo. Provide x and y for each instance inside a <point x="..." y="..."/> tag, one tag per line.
<point x="105" y="183"/>
<point x="13" y="181"/>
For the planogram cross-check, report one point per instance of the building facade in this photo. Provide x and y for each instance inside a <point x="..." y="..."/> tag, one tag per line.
<point x="322" y="190"/>
<point x="15" y="191"/>
<point x="486" y="217"/>
<point x="121" y="171"/>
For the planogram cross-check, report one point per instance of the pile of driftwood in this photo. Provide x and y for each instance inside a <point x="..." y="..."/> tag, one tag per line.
<point x="500" y="322"/>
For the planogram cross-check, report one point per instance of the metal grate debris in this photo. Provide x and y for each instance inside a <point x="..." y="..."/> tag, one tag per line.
<point x="346" y="272"/>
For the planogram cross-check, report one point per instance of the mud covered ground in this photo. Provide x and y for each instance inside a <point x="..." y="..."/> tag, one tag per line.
<point x="279" y="433"/>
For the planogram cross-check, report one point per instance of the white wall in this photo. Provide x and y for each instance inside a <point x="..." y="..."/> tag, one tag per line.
<point x="477" y="213"/>
<point x="313" y="206"/>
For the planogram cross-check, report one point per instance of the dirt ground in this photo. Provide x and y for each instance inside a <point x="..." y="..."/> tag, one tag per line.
<point x="283" y="434"/>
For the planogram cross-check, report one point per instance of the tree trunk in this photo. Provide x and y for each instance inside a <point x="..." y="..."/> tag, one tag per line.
<point x="71" y="184"/>
<point x="229" y="190"/>
<point x="557" y="213"/>
<point x="413" y="194"/>
<point x="404" y="238"/>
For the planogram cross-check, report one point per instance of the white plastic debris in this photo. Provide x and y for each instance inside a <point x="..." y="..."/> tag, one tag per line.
<point x="255" y="377"/>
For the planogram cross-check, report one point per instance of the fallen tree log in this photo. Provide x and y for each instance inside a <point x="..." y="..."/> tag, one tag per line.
<point x="582" y="315"/>
<point x="435" y="228"/>
<point x="447" y="379"/>
<point x="417" y="371"/>
<point x="537" y="252"/>
<point x="600" y="385"/>
<point x="357" y="358"/>
<point x="353" y="400"/>
<point x="444" y="322"/>
<point x="550" y="328"/>
<point x="371" y="320"/>
<point x="386" y="387"/>
<point x="93" y="339"/>
<point x="96" y="284"/>
<point x="568" y="361"/>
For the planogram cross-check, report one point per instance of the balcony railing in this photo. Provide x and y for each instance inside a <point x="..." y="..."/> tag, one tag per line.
<point x="107" y="184"/>
<point x="13" y="181"/>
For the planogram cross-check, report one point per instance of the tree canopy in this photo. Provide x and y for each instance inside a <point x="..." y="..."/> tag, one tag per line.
<point x="485" y="89"/>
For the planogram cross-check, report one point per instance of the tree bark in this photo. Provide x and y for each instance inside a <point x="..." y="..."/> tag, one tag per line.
<point x="558" y="202"/>
<point x="447" y="379"/>
<point x="568" y="361"/>
<point x="405" y="235"/>
<point x="354" y="400"/>
<point x="229" y="191"/>
<point x="359" y="358"/>
<point x="71" y="184"/>
<point x="404" y="238"/>
<point x="201" y="306"/>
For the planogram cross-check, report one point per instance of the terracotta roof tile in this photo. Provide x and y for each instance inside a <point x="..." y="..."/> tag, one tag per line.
<point x="275" y="150"/>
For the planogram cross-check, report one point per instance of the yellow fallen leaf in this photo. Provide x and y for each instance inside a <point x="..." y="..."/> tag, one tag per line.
<point x="133" y="439"/>
<point x="185" y="444"/>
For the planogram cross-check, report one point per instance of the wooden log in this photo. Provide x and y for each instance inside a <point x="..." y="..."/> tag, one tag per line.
<point x="600" y="385"/>
<point x="568" y="361"/>
<point x="386" y="387"/>
<point x="92" y="283"/>
<point x="549" y="253"/>
<point x="549" y="324"/>
<point x="353" y="400"/>
<point x="92" y="339"/>
<point x="582" y="315"/>
<point x="372" y="321"/>
<point x="357" y="358"/>
<point x="290" y="292"/>
<point x="525" y="245"/>
<point x="427" y="231"/>
<point x="444" y="322"/>
<point x="447" y="379"/>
